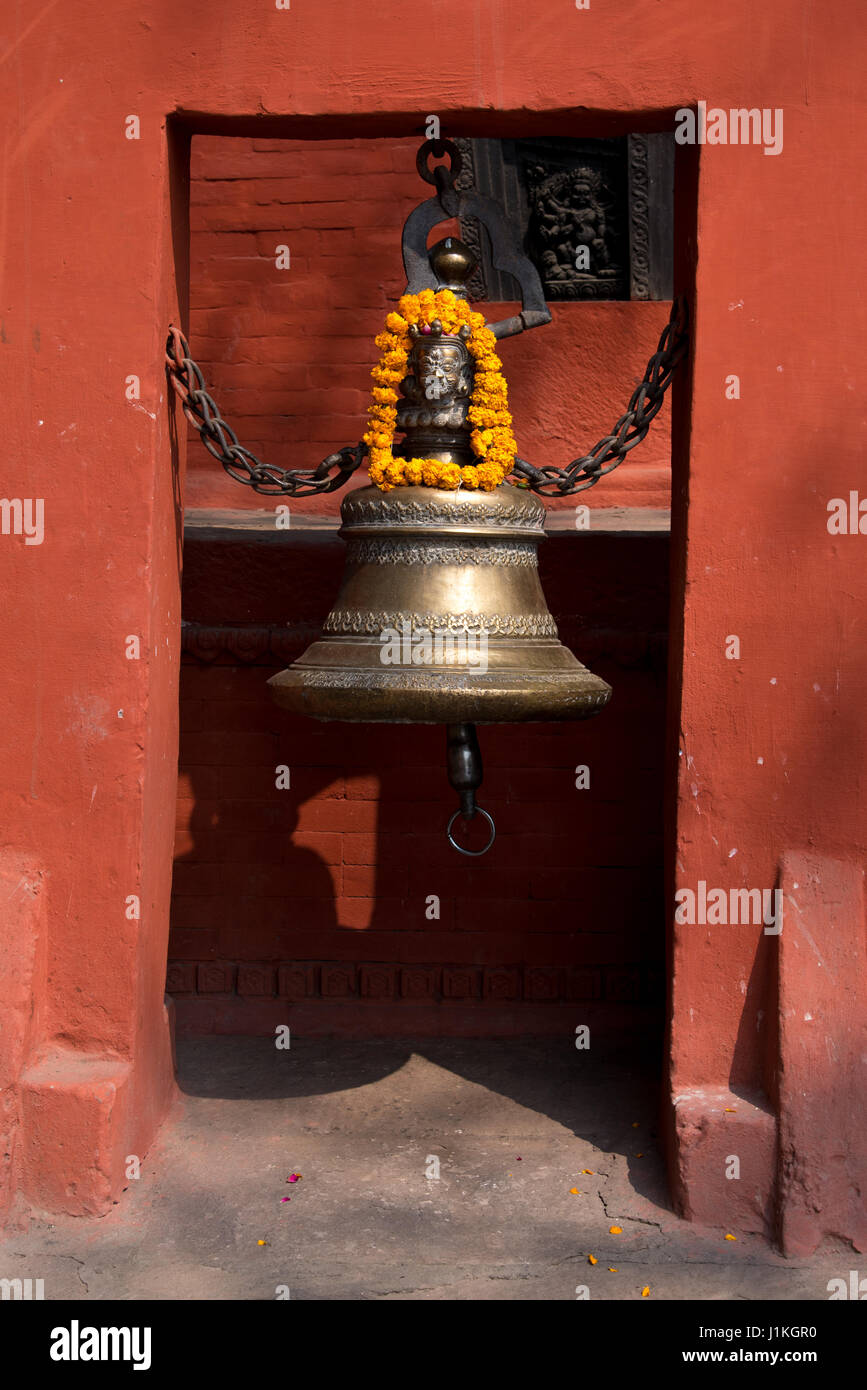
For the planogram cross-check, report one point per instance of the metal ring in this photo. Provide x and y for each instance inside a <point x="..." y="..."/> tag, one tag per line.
<point x="439" y="149"/>
<point x="474" y="853"/>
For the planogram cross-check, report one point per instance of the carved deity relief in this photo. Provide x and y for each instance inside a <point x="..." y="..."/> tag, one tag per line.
<point x="569" y="225"/>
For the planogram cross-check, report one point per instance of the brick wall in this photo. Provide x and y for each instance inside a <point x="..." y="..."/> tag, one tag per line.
<point x="310" y="903"/>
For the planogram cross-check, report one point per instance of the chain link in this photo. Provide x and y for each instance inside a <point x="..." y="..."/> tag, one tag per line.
<point x="221" y="440"/>
<point x="644" y="403"/>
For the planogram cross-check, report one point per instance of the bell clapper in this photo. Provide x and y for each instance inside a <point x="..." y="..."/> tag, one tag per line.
<point x="464" y="763"/>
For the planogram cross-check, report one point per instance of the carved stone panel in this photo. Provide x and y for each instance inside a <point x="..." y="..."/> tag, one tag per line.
<point x="595" y="216"/>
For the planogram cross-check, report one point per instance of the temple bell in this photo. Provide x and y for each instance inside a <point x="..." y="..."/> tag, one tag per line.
<point x="441" y="618"/>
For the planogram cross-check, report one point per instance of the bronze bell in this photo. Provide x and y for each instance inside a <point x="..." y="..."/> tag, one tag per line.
<point x="441" y="616"/>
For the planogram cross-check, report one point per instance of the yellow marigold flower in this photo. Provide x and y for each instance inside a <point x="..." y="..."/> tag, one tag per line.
<point x="394" y="472"/>
<point x="430" y="472"/>
<point x="489" y="476"/>
<point x="450" y="476"/>
<point x="478" y="443"/>
<point x="491" y="438"/>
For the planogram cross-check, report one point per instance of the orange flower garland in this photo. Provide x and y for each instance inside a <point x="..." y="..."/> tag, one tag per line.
<point x="492" y="440"/>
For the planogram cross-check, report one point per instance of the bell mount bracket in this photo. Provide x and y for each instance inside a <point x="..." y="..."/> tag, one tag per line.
<point x="451" y="202"/>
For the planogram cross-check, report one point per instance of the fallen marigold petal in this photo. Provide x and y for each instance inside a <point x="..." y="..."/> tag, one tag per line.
<point x="612" y="1269"/>
<point x="645" y="1291"/>
<point x="592" y="1259"/>
<point x="573" y="1192"/>
<point x="615" y="1230"/>
<point x="731" y="1237"/>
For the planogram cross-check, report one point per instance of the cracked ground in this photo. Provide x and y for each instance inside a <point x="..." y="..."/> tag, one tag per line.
<point x="511" y="1127"/>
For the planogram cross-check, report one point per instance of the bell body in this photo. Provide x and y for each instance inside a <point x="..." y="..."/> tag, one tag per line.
<point x="441" y="618"/>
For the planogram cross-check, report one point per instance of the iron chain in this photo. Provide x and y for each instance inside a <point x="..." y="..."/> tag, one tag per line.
<point x="220" y="439"/>
<point x="644" y="403"/>
<point x="242" y="465"/>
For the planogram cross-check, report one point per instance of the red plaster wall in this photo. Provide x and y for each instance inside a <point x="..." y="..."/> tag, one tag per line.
<point x="288" y="352"/>
<point x="774" y="750"/>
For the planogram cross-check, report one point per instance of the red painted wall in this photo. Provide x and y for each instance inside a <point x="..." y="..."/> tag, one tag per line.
<point x="773" y="744"/>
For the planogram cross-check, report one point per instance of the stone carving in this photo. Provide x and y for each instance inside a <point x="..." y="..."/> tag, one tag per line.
<point x="569" y="234"/>
<point x="639" y="218"/>
<point x="471" y="232"/>
<point x="605" y="204"/>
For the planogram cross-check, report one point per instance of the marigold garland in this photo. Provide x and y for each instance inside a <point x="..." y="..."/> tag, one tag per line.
<point x="492" y="440"/>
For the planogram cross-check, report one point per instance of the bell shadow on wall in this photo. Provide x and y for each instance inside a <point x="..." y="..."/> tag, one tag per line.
<point x="268" y="899"/>
<point x="331" y="876"/>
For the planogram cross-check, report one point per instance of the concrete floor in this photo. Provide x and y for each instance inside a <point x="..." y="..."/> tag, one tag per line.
<point x="513" y="1124"/>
